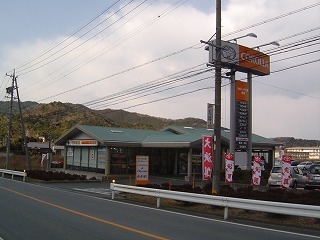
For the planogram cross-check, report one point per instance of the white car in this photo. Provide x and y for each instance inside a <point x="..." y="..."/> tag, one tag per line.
<point x="304" y="165"/>
<point x="296" y="179"/>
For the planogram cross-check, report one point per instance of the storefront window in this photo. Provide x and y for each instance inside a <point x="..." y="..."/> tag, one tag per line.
<point x="120" y="163"/>
<point x="196" y="163"/>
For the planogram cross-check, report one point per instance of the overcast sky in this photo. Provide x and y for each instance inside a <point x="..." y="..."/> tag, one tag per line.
<point x="146" y="57"/>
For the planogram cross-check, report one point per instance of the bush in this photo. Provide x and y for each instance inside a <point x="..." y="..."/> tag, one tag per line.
<point x="59" y="176"/>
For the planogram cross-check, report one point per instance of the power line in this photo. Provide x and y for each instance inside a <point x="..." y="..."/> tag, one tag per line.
<point x="116" y="74"/>
<point x="123" y="39"/>
<point x="273" y="19"/>
<point x="73" y="34"/>
<point x="53" y="60"/>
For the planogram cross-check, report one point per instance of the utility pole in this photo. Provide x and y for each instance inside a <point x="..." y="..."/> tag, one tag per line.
<point x="12" y="88"/>
<point x="10" y="91"/>
<point x="23" y="128"/>
<point x="217" y="115"/>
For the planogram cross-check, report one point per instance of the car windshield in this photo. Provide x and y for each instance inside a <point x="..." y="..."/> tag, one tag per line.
<point x="315" y="169"/>
<point x="276" y="170"/>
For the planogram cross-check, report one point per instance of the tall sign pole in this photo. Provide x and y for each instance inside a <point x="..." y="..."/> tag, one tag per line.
<point x="249" y="157"/>
<point x="217" y="116"/>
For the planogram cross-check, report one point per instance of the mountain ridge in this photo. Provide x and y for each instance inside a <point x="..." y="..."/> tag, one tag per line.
<point x="55" y="118"/>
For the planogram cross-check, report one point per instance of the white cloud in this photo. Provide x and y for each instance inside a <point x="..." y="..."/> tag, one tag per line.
<point x="185" y="27"/>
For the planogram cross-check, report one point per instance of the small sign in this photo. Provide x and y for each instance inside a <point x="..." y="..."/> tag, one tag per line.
<point x="82" y="143"/>
<point x="210" y="115"/>
<point x="142" y="170"/>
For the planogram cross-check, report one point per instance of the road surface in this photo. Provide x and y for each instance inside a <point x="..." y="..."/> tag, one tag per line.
<point x="30" y="211"/>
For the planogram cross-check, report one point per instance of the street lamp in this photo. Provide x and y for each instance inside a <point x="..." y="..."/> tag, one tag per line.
<point x="266" y="44"/>
<point x="247" y="35"/>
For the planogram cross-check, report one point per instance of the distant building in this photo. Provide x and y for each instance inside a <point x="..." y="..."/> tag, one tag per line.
<point x="304" y="153"/>
<point x="38" y="147"/>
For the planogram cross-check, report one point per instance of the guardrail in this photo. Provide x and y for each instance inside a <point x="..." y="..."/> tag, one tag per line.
<point x="13" y="173"/>
<point x="226" y="202"/>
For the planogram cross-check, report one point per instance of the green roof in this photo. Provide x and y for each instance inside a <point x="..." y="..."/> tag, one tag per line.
<point x="171" y="136"/>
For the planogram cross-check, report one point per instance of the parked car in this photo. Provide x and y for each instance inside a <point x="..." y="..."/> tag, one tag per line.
<point x="295" y="163"/>
<point x="304" y="165"/>
<point x="297" y="178"/>
<point x="313" y="177"/>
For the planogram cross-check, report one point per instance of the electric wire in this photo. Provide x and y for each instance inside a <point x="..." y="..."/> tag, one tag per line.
<point x="67" y="38"/>
<point x="123" y="39"/>
<point x="72" y="49"/>
<point x="305" y="8"/>
<point x="79" y="55"/>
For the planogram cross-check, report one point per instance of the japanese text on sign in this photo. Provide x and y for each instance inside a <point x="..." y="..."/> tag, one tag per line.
<point x="207" y="159"/>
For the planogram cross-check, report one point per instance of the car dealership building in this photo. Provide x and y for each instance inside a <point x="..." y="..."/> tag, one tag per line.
<point x="174" y="150"/>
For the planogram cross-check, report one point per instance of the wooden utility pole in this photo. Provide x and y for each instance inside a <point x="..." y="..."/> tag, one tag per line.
<point x="217" y="116"/>
<point x="11" y="91"/>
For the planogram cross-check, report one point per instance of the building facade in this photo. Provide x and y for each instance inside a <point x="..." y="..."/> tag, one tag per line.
<point x="174" y="150"/>
<point x="304" y="153"/>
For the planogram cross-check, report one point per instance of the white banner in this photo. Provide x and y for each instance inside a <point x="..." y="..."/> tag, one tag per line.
<point x="256" y="171"/>
<point x="229" y="159"/>
<point x="286" y="172"/>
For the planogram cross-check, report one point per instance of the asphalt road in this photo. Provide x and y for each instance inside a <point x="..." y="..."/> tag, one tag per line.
<point x="30" y="211"/>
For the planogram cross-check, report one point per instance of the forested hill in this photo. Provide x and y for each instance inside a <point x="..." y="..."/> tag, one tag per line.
<point x="297" y="142"/>
<point x="55" y="118"/>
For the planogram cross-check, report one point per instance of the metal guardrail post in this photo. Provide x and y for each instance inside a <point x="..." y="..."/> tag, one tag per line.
<point x="225" y="215"/>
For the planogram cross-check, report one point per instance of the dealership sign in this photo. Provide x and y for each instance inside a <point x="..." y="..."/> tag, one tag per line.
<point x="82" y="143"/>
<point x="241" y="58"/>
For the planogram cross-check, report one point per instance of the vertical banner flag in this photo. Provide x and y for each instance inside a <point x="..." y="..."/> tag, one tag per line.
<point x="285" y="164"/>
<point x="142" y="170"/>
<point x="229" y="159"/>
<point x="207" y="159"/>
<point x="256" y="171"/>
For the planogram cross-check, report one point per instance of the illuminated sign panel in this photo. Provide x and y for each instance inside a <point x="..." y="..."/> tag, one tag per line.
<point x="242" y="116"/>
<point x="242" y="58"/>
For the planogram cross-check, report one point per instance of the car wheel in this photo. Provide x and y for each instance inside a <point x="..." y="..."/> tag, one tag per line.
<point x="294" y="185"/>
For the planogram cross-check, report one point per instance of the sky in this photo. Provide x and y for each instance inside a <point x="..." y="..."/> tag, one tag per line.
<point x="145" y="56"/>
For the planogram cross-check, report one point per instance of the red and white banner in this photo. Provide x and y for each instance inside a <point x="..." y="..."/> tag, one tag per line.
<point x="229" y="159"/>
<point x="286" y="164"/>
<point x="256" y="171"/>
<point x="207" y="159"/>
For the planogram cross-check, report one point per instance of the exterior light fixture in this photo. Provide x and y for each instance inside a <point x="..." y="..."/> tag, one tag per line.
<point x="266" y="44"/>
<point x="247" y="35"/>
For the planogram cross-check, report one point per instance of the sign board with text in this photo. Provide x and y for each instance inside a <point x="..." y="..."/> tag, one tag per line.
<point x="142" y="170"/>
<point x="242" y="116"/>
<point x="207" y="157"/>
<point x="241" y="58"/>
